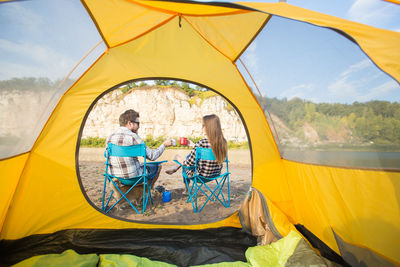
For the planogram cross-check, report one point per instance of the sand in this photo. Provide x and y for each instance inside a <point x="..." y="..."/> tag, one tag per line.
<point x="178" y="210"/>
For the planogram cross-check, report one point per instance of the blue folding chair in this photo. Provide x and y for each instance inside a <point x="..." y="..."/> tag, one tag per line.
<point x="127" y="151"/>
<point x="202" y="184"/>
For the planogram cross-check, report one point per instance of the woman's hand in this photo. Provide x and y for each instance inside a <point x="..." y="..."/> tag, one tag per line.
<point x="190" y="143"/>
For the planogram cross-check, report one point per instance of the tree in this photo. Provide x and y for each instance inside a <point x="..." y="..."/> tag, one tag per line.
<point x="142" y="83"/>
<point x="186" y="87"/>
<point x="162" y="82"/>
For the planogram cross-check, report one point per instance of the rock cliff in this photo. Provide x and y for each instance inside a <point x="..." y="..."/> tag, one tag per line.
<point x="164" y="111"/>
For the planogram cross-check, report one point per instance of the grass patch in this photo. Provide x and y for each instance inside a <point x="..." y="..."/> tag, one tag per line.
<point x="93" y="142"/>
<point x="154" y="142"/>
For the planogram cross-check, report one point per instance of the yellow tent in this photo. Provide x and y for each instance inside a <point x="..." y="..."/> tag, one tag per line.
<point x="355" y="212"/>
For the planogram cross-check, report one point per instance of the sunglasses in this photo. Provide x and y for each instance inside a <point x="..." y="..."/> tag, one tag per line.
<point x="138" y="123"/>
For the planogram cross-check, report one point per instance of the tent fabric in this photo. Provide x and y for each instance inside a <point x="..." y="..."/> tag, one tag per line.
<point x="54" y="152"/>
<point x="376" y="43"/>
<point x="360" y="256"/>
<point x="145" y="18"/>
<point x="353" y="203"/>
<point x="257" y="219"/>
<point x="199" y="43"/>
<point x="13" y="168"/>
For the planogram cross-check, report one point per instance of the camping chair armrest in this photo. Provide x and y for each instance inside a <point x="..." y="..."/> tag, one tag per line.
<point x="183" y="166"/>
<point x="156" y="162"/>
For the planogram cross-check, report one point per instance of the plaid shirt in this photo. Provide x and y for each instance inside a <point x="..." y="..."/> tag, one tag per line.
<point x="205" y="168"/>
<point x="129" y="167"/>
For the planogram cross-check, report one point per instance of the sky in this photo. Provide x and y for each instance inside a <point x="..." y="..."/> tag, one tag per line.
<point x="330" y="69"/>
<point x="290" y="59"/>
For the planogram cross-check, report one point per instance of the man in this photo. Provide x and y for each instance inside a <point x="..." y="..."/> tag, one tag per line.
<point x="128" y="167"/>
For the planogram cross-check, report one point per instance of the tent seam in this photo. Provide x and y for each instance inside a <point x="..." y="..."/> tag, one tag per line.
<point x="269" y="16"/>
<point x="146" y="32"/>
<point x="254" y="97"/>
<point x="205" y="39"/>
<point x="95" y="22"/>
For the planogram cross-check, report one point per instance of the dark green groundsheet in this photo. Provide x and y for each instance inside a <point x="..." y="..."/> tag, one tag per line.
<point x="175" y="246"/>
<point x="290" y="251"/>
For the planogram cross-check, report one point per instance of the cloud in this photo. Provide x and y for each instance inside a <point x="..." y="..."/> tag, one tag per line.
<point x="356" y="83"/>
<point x="373" y="12"/>
<point x="9" y="70"/>
<point x="17" y="15"/>
<point x="356" y="67"/>
<point x="22" y="56"/>
<point x="342" y="90"/>
<point x="29" y="59"/>
<point x="251" y="56"/>
<point x="382" y="91"/>
<point x="302" y="91"/>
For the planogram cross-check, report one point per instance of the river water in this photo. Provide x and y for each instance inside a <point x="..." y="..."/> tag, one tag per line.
<point x="357" y="159"/>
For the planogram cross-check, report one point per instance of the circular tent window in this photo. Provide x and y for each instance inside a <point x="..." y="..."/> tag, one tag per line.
<point x="168" y="109"/>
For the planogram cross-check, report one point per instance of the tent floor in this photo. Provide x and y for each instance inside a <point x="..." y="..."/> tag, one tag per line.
<point x="175" y="246"/>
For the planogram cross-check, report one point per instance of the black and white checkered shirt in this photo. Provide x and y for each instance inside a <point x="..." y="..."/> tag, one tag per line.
<point x="129" y="167"/>
<point x="205" y="168"/>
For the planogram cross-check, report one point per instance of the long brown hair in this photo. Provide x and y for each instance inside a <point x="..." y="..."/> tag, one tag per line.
<point x="215" y="137"/>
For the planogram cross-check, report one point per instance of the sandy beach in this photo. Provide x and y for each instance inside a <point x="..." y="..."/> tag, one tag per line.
<point x="177" y="211"/>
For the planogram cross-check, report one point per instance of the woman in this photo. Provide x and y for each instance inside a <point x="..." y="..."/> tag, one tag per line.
<point x="214" y="140"/>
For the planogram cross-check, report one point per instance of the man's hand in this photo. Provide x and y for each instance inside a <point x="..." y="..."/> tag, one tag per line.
<point x="167" y="143"/>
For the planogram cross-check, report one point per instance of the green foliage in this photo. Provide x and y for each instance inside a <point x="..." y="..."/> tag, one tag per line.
<point x="125" y="89"/>
<point x="373" y="122"/>
<point x="238" y="145"/>
<point x="93" y="142"/>
<point x="156" y="142"/>
<point x="128" y="87"/>
<point x="153" y="142"/>
<point x="142" y="83"/>
<point x="188" y="90"/>
<point x="162" y="82"/>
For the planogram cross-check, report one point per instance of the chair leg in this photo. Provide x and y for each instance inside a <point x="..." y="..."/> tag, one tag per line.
<point x="146" y="195"/>
<point x="104" y="192"/>
<point x="191" y="196"/>
<point x="219" y="187"/>
<point x="229" y="195"/>
<point x="109" y="198"/>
